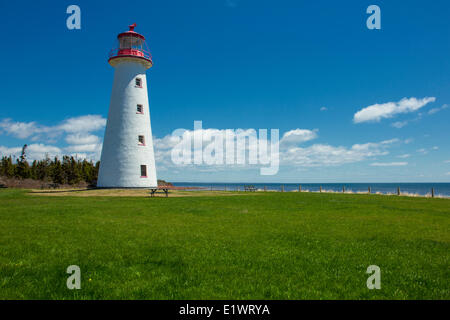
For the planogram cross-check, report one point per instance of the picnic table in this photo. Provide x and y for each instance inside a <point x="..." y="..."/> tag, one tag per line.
<point x="250" y="188"/>
<point x="164" y="189"/>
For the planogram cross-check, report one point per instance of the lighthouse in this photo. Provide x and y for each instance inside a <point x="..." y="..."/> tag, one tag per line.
<point x="127" y="159"/>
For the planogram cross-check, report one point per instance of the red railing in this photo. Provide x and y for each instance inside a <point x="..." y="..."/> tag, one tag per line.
<point x="130" y="52"/>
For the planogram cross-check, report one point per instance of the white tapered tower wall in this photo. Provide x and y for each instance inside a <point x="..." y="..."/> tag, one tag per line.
<point x="122" y="156"/>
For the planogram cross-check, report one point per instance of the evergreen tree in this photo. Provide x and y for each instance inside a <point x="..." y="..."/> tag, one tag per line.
<point x="43" y="169"/>
<point x="68" y="171"/>
<point x="33" y="173"/>
<point x="57" y="173"/>
<point x="7" y="167"/>
<point x="73" y="171"/>
<point x="23" y="168"/>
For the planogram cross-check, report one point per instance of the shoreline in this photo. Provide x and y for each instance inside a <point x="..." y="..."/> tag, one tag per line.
<point x="427" y="190"/>
<point x="402" y="194"/>
<point x="189" y="192"/>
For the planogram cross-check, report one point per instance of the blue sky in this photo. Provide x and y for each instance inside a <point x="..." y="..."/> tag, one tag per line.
<point x="308" y="65"/>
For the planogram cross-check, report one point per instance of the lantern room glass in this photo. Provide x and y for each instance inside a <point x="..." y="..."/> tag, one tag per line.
<point x="130" y="42"/>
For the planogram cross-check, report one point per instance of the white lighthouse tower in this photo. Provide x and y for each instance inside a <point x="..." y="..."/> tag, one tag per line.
<point x="127" y="159"/>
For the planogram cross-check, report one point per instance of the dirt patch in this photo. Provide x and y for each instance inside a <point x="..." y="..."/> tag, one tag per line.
<point x="36" y="184"/>
<point x="77" y="192"/>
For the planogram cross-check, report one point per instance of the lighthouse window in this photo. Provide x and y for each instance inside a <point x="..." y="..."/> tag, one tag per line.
<point x="141" y="140"/>
<point x="139" y="109"/>
<point x="139" y="82"/>
<point x="143" y="171"/>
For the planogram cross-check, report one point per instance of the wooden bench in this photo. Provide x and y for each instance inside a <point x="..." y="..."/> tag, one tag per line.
<point x="165" y="189"/>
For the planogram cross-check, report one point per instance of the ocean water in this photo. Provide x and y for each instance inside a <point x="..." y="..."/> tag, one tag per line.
<point x="440" y="189"/>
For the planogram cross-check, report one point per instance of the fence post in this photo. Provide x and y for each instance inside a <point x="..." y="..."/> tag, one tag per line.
<point x="320" y="189"/>
<point x="398" y="191"/>
<point x="343" y="189"/>
<point x="282" y="188"/>
<point x="369" y="190"/>
<point x="225" y="188"/>
<point x="265" y="188"/>
<point x="299" y="188"/>
<point x="432" y="192"/>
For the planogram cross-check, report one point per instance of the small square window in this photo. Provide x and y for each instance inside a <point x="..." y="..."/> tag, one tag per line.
<point x="143" y="171"/>
<point x="139" y="82"/>
<point x="141" y="140"/>
<point x="140" y="109"/>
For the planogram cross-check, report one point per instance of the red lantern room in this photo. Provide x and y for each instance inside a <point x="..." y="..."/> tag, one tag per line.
<point x="131" y="45"/>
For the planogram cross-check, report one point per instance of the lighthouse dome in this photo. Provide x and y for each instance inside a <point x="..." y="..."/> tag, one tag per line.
<point x="131" y="45"/>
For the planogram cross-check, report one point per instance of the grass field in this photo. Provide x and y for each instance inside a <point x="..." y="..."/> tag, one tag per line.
<point x="246" y="246"/>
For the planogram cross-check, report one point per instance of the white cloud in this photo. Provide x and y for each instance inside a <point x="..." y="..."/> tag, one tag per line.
<point x="399" y="124"/>
<point x="21" y="130"/>
<point x="85" y="145"/>
<point x="76" y="132"/>
<point x="90" y="151"/>
<point x="5" y="151"/>
<point x="290" y="152"/>
<point x="93" y="147"/>
<point x="436" y="110"/>
<point x="38" y="151"/>
<point x="326" y="155"/>
<point x="388" y="164"/>
<point x="447" y="161"/>
<point x="81" y="156"/>
<point x="425" y="151"/>
<point x="163" y="146"/>
<point x="377" y="112"/>
<point x="323" y="109"/>
<point x="298" y="136"/>
<point x="82" y="138"/>
<point x="33" y="151"/>
<point x="422" y="151"/>
<point x="88" y="123"/>
<point x="34" y="131"/>
<point x="404" y="156"/>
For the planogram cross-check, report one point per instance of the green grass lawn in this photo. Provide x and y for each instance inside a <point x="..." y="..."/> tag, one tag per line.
<point x="247" y="246"/>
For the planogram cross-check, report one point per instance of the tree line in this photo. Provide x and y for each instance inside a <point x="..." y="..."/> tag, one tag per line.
<point x="67" y="170"/>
